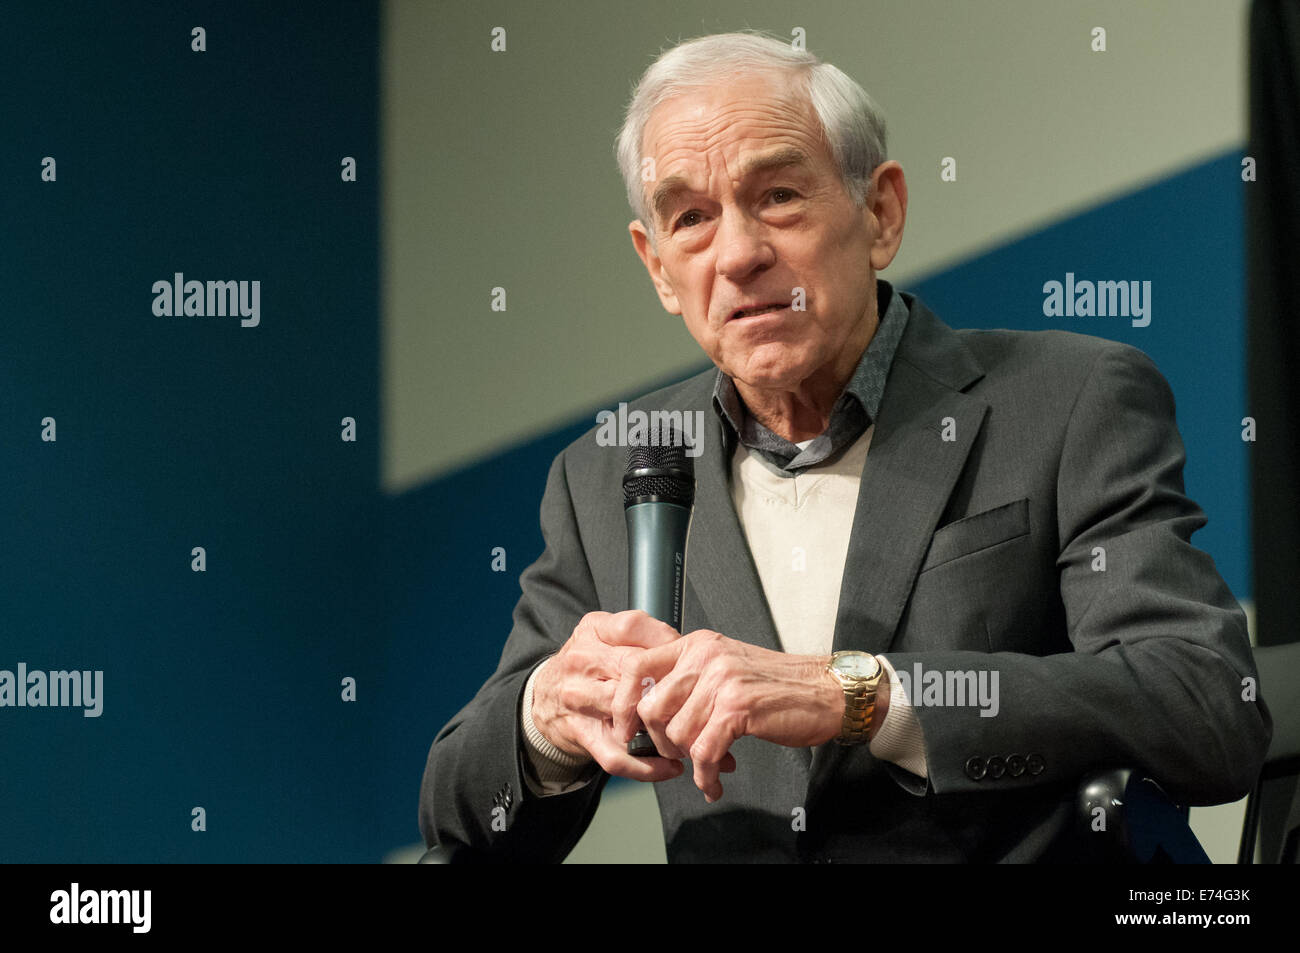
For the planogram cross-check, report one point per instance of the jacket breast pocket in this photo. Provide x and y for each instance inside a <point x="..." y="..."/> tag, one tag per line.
<point x="971" y="534"/>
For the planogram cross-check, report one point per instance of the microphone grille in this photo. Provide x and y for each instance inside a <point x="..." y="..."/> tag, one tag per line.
<point x="659" y="473"/>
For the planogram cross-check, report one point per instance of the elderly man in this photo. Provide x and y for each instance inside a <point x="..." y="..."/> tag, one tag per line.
<point x="934" y="576"/>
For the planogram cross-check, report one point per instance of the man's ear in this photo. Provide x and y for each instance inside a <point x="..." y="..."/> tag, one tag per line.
<point x="650" y="258"/>
<point x="887" y="202"/>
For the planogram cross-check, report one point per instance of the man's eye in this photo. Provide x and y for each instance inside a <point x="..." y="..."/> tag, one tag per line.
<point x="780" y="196"/>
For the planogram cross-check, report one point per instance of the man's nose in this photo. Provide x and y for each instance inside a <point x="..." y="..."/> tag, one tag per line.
<point x="743" y="245"/>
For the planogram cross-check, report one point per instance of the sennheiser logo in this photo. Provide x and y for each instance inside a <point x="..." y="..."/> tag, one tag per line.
<point x="208" y="299"/>
<point x="102" y="907"/>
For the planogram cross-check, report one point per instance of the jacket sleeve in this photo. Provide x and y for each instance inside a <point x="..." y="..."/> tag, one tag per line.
<point x="474" y="799"/>
<point x="1160" y="674"/>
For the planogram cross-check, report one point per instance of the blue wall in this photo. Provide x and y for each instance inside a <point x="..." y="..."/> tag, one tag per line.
<point x="1186" y="236"/>
<point x="222" y="688"/>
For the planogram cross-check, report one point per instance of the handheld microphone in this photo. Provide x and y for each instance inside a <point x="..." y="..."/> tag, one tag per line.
<point x="658" y="493"/>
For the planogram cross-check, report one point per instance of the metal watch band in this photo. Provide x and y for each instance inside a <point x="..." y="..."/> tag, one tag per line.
<point x="859" y="706"/>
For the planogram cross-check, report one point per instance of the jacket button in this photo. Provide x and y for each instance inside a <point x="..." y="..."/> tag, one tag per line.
<point x="1035" y="764"/>
<point x="1015" y="765"/>
<point x="996" y="767"/>
<point x="975" y="769"/>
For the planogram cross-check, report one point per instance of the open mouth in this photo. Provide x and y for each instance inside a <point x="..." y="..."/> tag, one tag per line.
<point x="760" y="309"/>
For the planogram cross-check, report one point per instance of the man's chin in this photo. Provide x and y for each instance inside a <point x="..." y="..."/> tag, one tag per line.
<point x="775" y="379"/>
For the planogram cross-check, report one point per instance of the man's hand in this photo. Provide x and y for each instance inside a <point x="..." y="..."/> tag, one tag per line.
<point x="710" y="690"/>
<point x="574" y="694"/>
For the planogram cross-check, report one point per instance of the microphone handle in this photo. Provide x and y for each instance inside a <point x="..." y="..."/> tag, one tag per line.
<point x="656" y="575"/>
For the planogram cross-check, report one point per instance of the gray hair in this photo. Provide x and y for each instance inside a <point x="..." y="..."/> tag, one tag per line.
<point x="850" y="121"/>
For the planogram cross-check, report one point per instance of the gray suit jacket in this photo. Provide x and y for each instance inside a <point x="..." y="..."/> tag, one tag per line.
<point x="977" y="552"/>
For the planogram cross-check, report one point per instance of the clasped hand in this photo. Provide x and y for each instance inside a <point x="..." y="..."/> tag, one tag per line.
<point x="695" y="694"/>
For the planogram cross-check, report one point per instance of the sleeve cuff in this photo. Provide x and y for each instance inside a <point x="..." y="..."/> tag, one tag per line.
<point x="557" y="771"/>
<point x="900" y="739"/>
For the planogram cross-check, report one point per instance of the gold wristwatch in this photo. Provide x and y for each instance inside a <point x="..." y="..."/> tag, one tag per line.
<point x="859" y="674"/>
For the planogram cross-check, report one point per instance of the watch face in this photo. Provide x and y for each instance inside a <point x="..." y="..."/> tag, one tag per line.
<point x="856" y="665"/>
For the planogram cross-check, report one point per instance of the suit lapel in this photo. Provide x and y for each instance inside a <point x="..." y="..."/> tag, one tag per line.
<point x="721" y="577"/>
<point x="924" y="433"/>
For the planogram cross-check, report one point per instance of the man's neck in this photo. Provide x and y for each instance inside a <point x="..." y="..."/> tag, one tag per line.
<point x="805" y="411"/>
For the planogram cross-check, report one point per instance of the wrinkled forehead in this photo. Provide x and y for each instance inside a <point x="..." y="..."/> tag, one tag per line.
<point x="756" y="125"/>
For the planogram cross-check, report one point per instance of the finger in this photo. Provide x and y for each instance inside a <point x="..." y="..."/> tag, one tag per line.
<point x="698" y="712"/>
<point x="659" y="707"/>
<point x="591" y="698"/>
<point x="633" y="628"/>
<point x="613" y="757"/>
<point x="708" y="752"/>
<point x="706" y="779"/>
<point x="693" y="711"/>
<point x="654" y="664"/>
